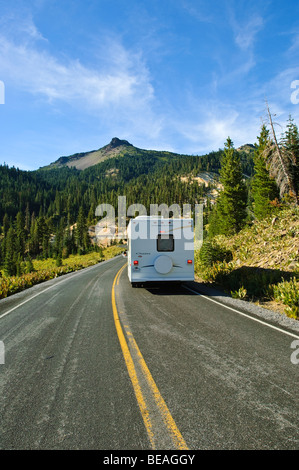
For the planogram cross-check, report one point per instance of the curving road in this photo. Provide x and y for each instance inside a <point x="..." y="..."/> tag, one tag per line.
<point x="91" y="363"/>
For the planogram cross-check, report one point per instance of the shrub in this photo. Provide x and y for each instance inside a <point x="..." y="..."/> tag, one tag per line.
<point x="288" y="293"/>
<point x="43" y="271"/>
<point x="239" y="294"/>
<point x="211" y="252"/>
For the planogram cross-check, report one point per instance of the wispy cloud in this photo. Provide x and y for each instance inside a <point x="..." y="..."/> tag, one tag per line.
<point x="199" y="11"/>
<point x="40" y="73"/>
<point x="117" y="89"/>
<point x="246" y="22"/>
<point x="210" y="131"/>
<point x="246" y="32"/>
<point x="19" y="24"/>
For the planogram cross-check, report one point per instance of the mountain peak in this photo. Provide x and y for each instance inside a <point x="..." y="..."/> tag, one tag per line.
<point x="83" y="160"/>
<point x="116" y="142"/>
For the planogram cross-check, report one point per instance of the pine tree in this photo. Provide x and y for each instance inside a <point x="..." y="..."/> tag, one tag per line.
<point x="290" y="145"/>
<point x="27" y="219"/>
<point x="19" y="260"/>
<point x="59" y="238"/>
<point x="10" y="267"/>
<point x="33" y="244"/>
<point x="229" y="215"/>
<point x="264" y="188"/>
<point x="6" y="224"/>
<point x="91" y="215"/>
<point x="29" y="265"/>
<point x="81" y="231"/>
<point x="20" y="235"/>
<point x="59" y="259"/>
<point x="67" y="242"/>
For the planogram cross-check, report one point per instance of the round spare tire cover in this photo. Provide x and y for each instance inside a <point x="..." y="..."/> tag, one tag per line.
<point x="163" y="264"/>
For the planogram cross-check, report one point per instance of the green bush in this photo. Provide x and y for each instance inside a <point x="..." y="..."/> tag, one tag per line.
<point x="239" y="294"/>
<point x="211" y="252"/>
<point x="288" y="293"/>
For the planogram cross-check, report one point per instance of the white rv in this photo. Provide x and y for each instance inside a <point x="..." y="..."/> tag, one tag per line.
<point x="160" y="250"/>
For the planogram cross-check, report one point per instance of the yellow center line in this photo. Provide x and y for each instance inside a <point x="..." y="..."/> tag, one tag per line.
<point x="130" y="366"/>
<point x="176" y="436"/>
<point x="170" y="425"/>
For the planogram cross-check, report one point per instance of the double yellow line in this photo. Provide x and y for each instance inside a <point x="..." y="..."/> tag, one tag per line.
<point x="148" y="394"/>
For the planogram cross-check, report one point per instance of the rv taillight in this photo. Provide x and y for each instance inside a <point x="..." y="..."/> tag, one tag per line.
<point x="135" y="262"/>
<point x="189" y="261"/>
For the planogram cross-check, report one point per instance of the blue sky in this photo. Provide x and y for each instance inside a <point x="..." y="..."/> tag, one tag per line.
<point x="177" y="75"/>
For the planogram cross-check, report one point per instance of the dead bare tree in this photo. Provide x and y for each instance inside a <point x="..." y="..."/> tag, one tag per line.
<point x="279" y="165"/>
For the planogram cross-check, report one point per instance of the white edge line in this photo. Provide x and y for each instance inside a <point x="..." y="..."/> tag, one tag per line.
<point x="25" y="301"/>
<point x="61" y="279"/>
<point x="244" y="314"/>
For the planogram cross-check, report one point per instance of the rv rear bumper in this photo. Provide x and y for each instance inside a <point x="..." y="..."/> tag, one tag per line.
<point x="135" y="282"/>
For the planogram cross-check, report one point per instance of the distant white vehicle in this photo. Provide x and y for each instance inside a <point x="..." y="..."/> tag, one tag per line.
<point x="160" y="250"/>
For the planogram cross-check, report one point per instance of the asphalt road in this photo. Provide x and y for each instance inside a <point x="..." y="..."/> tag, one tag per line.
<point x="91" y="363"/>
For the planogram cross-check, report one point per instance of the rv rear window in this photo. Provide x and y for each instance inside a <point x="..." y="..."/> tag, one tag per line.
<point x="165" y="242"/>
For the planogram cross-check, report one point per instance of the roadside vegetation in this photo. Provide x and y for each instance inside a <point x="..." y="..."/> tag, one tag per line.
<point x="43" y="270"/>
<point x="259" y="264"/>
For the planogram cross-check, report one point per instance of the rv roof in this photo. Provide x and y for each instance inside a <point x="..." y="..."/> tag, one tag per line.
<point x="158" y="217"/>
<point x="149" y="217"/>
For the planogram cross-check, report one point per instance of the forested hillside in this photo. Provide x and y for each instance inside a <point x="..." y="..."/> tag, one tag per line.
<point x="40" y="207"/>
<point x="46" y="213"/>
